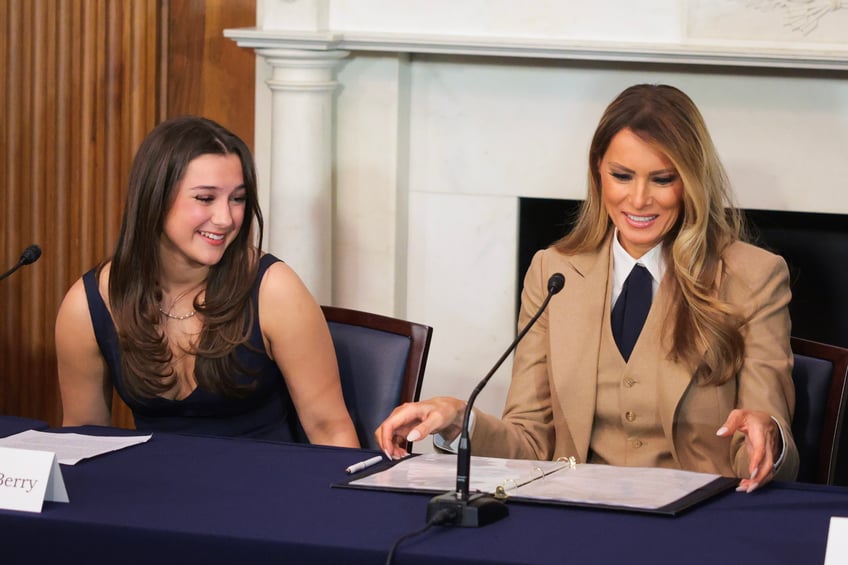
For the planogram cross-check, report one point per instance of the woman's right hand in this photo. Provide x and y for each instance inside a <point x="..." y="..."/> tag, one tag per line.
<point x="414" y="420"/>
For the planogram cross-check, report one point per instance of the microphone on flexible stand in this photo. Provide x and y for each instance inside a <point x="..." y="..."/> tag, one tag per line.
<point x="30" y="255"/>
<point x="480" y="509"/>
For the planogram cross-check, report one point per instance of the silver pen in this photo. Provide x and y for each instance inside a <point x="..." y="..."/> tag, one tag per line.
<point x="362" y="465"/>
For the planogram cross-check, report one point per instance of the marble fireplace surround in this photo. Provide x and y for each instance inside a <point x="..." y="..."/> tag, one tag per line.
<point x="393" y="153"/>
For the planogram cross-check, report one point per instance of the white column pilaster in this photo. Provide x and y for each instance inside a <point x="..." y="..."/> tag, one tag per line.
<point x="299" y="221"/>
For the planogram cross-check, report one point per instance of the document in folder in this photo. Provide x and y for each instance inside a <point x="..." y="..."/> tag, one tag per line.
<point x="661" y="491"/>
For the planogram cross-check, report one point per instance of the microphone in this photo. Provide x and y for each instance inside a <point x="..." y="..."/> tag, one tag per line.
<point x="480" y="509"/>
<point x="30" y="255"/>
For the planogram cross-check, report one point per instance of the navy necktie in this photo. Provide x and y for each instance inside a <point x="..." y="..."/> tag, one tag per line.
<point x="631" y="309"/>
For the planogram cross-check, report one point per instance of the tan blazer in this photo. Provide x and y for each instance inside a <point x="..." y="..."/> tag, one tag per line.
<point x="551" y="402"/>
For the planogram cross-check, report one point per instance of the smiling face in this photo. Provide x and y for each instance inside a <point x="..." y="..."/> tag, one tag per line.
<point x="207" y="212"/>
<point x="641" y="191"/>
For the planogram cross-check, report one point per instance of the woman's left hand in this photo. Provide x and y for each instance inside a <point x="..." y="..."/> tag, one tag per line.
<point x="762" y="442"/>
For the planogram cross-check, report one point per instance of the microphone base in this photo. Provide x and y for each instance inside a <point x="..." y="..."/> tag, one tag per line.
<point x="479" y="510"/>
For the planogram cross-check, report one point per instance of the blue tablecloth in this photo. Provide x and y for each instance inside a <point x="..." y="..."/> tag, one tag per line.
<point x="180" y="499"/>
<point x="10" y="425"/>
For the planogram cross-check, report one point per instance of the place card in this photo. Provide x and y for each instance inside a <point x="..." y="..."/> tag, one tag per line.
<point x="837" y="542"/>
<point x="28" y="478"/>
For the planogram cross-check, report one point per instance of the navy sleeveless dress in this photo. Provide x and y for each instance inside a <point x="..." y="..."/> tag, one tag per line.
<point x="266" y="412"/>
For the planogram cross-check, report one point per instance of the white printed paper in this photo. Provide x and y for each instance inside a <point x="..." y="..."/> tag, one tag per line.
<point x="630" y="487"/>
<point x="70" y="449"/>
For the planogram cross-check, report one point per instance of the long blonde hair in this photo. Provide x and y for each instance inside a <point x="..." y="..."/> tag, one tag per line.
<point x="707" y="332"/>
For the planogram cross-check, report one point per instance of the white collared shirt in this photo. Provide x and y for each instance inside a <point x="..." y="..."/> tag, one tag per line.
<point x="623" y="263"/>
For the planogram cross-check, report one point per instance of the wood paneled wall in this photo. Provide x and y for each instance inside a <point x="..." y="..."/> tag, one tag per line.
<point x="83" y="82"/>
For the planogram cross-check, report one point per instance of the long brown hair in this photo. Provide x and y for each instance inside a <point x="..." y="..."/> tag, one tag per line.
<point x="134" y="291"/>
<point x="707" y="331"/>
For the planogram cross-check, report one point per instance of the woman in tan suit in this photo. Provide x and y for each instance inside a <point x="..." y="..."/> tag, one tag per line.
<point x="707" y="386"/>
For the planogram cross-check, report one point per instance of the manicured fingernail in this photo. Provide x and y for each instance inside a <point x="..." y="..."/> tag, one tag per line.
<point x="752" y="486"/>
<point x="721" y="431"/>
<point x="740" y="488"/>
<point x="754" y="472"/>
<point x="414" y="435"/>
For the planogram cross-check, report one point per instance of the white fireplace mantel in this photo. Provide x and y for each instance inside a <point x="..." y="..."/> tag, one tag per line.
<point x="396" y="137"/>
<point x="734" y="54"/>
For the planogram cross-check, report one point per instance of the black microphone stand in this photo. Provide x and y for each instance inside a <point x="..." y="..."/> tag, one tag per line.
<point x="480" y="509"/>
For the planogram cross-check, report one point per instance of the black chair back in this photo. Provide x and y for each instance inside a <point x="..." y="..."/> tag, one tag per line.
<point x="381" y="364"/>
<point x="819" y="375"/>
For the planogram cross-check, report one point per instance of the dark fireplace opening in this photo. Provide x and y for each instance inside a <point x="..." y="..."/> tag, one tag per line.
<point x="814" y="245"/>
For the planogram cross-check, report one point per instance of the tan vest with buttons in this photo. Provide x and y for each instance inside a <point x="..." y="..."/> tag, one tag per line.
<point x="627" y="429"/>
